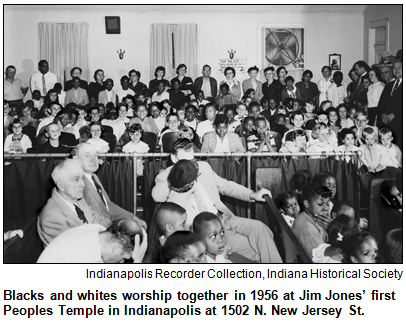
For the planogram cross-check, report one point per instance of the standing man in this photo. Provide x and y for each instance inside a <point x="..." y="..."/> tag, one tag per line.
<point x="44" y="80"/>
<point x="14" y="88"/>
<point x="361" y="68"/>
<point x="390" y="110"/>
<point x="94" y="193"/>
<point x="206" y="83"/>
<point x="387" y="73"/>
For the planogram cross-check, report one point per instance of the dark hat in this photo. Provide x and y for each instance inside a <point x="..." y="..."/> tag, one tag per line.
<point x="253" y="68"/>
<point x="183" y="173"/>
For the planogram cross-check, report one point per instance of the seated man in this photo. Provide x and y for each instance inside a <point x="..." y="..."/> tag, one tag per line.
<point x="94" y="193"/>
<point x="93" y="243"/>
<point x="66" y="208"/>
<point x="247" y="237"/>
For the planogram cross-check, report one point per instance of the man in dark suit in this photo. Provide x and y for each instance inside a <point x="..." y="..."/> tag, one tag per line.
<point x="362" y="69"/>
<point x="206" y="83"/>
<point x="390" y="109"/>
<point x="94" y="193"/>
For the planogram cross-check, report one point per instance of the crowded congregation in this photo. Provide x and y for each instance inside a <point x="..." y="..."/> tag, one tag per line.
<point x="265" y="166"/>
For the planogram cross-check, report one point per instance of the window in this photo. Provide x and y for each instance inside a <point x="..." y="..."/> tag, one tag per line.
<point x="378" y="40"/>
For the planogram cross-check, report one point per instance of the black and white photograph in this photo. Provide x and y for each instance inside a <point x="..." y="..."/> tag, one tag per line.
<point x="169" y="134"/>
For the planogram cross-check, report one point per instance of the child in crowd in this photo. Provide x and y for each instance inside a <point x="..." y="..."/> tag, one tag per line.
<point x="181" y="115"/>
<point x="393" y="247"/>
<point x="374" y="155"/>
<point x="184" y="247"/>
<point x="27" y="118"/>
<point x="173" y="124"/>
<point x="176" y="96"/>
<point x="170" y="218"/>
<point x="333" y="120"/>
<point x="296" y="141"/>
<point x="339" y="231"/>
<point x="325" y="105"/>
<point x="37" y="100"/>
<point x="263" y="140"/>
<point x="347" y="139"/>
<point x="309" y="110"/>
<point x="328" y="180"/>
<point x="136" y="145"/>
<point x="322" y="143"/>
<point x="247" y="128"/>
<point x="95" y="138"/>
<point x="129" y="101"/>
<point x="207" y="126"/>
<point x="17" y="142"/>
<point x="209" y="227"/>
<point x="61" y="93"/>
<point x="122" y="113"/>
<point x="155" y="111"/>
<point x="361" y="248"/>
<point x="108" y="95"/>
<point x="191" y="119"/>
<point x="53" y="145"/>
<point x="345" y="121"/>
<point x="161" y="94"/>
<point x="288" y="205"/>
<point x="278" y="124"/>
<point x="124" y="91"/>
<point x="297" y="120"/>
<point x="254" y="109"/>
<point x="241" y="112"/>
<point x="200" y="98"/>
<point x="309" y="224"/>
<point x="229" y="111"/>
<point x="225" y="97"/>
<point x="352" y="112"/>
<point x="95" y="114"/>
<point x="393" y="153"/>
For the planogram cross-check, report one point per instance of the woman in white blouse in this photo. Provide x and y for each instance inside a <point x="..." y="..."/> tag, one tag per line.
<point x="233" y="84"/>
<point x="374" y="93"/>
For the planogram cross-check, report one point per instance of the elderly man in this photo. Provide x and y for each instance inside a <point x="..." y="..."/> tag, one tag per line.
<point x="44" y="80"/>
<point x="206" y="83"/>
<point x="14" y="88"/>
<point x="93" y="243"/>
<point x="247" y="237"/>
<point x="94" y="193"/>
<point x="387" y="73"/>
<point x="66" y="208"/>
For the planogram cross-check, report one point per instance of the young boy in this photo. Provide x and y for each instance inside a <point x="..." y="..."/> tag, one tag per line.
<point x="264" y="140"/>
<point x="207" y="126"/>
<point x="191" y="120"/>
<point x="52" y="132"/>
<point x="310" y="225"/>
<point x="184" y="247"/>
<point x="108" y="95"/>
<point x="36" y="98"/>
<point x="170" y="218"/>
<point x="209" y="227"/>
<point x="322" y="143"/>
<point x="374" y="155"/>
<point x="124" y="90"/>
<point x="225" y="97"/>
<point x="393" y="153"/>
<point x="161" y="94"/>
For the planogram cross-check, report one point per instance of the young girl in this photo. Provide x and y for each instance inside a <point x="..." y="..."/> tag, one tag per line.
<point x="322" y="143"/>
<point x="17" y="142"/>
<point x="309" y="108"/>
<point x="347" y="139"/>
<point x="95" y="139"/>
<point x="296" y="141"/>
<point x="333" y="120"/>
<point x="326" y="179"/>
<point x="155" y="111"/>
<point x="345" y="121"/>
<point x="361" y="248"/>
<point x="297" y="120"/>
<point x="339" y="231"/>
<point x="161" y="94"/>
<point x="241" y="112"/>
<point x="136" y="145"/>
<point x="288" y="206"/>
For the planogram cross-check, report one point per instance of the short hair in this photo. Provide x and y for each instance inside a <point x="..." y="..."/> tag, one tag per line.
<point x="229" y="68"/>
<point x="162" y="68"/>
<point x="42" y="61"/>
<point x="73" y="69"/>
<point x="49" y="125"/>
<point x="307" y="71"/>
<point x="289" y="79"/>
<point x="393" y="247"/>
<point x="225" y="85"/>
<point x="292" y="135"/>
<point x="260" y="119"/>
<point x="61" y="169"/>
<point x="109" y="80"/>
<point x="96" y="72"/>
<point x="313" y="190"/>
<point x="282" y="197"/>
<point x="269" y="68"/>
<point x="95" y="123"/>
<point x="252" y="105"/>
<point x="134" y="71"/>
<point x="351" y="247"/>
<point x="213" y="105"/>
<point x="361" y="112"/>
<point x="338" y="73"/>
<point x="248" y="118"/>
<point x="162" y="213"/>
<point x="177" y="245"/>
<point x="377" y="72"/>
<point x="362" y="64"/>
<point x="231" y="107"/>
<point x="220" y="119"/>
<point x="383" y="131"/>
<point x="76" y="150"/>
<point x="320" y="177"/>
<point x="124" y="231"/>
<point x="75" y="78"/>
<point x="122" y="79"/>
<point x="201" y="219"/>
<point x="206" y="66"/>
<point x="138" y="104"/>
<point x="279" y="70"/>
<point x="15" y="121"/>
<point x="182" y="144"/>
<point x="344" y="132"/>
<point x="293" y="114"/>
<point x="328" y="67"/>
<point x="179" y="67"/>
<point x="367" y="131"/>
<point x="10" y="66"/>
<point x="136" y="127"/>
<point x="121" y="104"/>
<point x="172" y="114"/>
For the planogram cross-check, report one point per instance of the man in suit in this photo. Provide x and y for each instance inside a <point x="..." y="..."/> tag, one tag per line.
<point x="248" y="237"/>
<point x="94" y="193"/>
<point x="66" y="208"/>
<point x="206" y="83"/>
<point x="361" y="68"/>
<point x="390" y="108"/>
<point x="76" y="94"/>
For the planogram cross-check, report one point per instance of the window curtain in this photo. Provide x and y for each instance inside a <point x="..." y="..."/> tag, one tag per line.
<point x="161" y="47"/>
<point x="185" y="46"/>
<point x="186" y="43"/>
<point x="64" y="46"/>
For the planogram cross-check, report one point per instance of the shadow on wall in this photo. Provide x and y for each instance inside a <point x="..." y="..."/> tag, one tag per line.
<point x="25" y="75"/>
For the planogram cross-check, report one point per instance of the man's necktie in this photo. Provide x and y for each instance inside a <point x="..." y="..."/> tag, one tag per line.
<point x="44" y="85"/>
<point x="98" y="188"/>
<point x="396" y="87"/>
<point x="81" y="214"/>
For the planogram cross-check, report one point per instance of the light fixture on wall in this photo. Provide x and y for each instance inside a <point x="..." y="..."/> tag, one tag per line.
<point x="121" y="53"/>
<point x="231" y="53"/>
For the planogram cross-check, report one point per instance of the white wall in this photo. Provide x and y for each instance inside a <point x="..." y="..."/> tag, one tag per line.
<point x="379" y="12"/>
<point x="324" y="34"/>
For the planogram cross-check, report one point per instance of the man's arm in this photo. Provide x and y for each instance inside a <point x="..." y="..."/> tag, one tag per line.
<point x="161" y="190"/>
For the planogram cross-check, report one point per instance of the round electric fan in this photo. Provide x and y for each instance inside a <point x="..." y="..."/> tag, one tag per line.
<point x="281" y="47"/>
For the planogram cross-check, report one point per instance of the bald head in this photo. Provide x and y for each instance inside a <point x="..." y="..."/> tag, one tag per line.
<point x="86" y="153"/>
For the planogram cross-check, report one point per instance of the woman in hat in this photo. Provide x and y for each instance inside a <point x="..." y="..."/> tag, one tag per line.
<point x="253" y="83"/>
<point x="233" y="84"/>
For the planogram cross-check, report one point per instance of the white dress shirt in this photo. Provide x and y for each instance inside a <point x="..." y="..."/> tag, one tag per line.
<point x="36" y="82"/>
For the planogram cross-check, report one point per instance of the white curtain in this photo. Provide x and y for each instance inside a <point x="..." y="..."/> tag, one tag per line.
<point x="183" y="44"/>
<point x="64" y="46"/>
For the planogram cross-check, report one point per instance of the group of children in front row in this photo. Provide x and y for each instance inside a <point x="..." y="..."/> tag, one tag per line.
<point x="328" y="233"/>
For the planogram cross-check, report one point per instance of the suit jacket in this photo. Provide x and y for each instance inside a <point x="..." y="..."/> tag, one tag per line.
<point x="93" y="199"/>
<point x="81" y="100"/>
<point x="210" y="142"/>
<point x="246" y="84"/>
<point x="68" y="85"/>
<point x="391" y="104"/>
<point x="213" y="85"/>
<point x="56" y="217"/>
<point x="213" y="184"/>
<point x="104" y="100"/>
